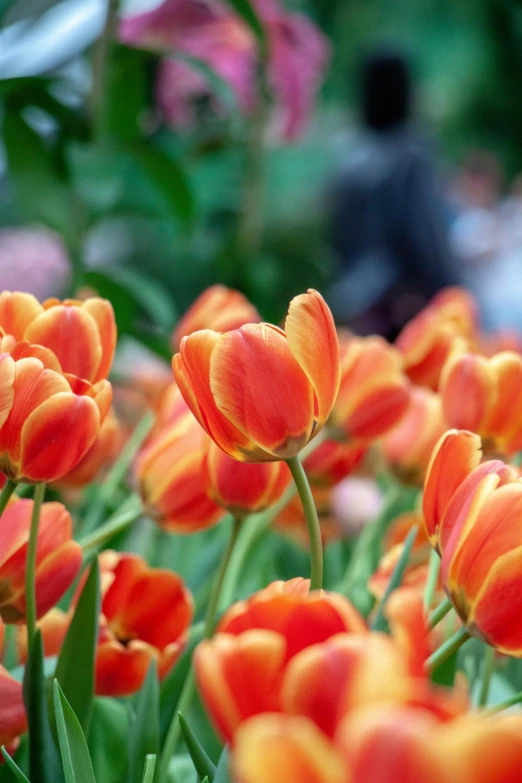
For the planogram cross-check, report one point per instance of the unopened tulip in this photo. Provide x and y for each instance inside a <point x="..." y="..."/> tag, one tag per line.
<point x="146" y="614"/>
<point x="484" y="396"/>
<point x="408" y="446"/>
<point x="99" y="457"/>
<point x="254" y="642"/>
<point x="170" y="477"/>
<point x="82" y="335"/>
<point x="48" y="421"/>
<point x="374" y="393"/>
<point x="58" y="558"/>
<point x="218" y="308"/>
<point x="260" y="392"/>
<point x="242" y="488"/>
<point x="428" y="339"/>
<point x="473" y="517"/>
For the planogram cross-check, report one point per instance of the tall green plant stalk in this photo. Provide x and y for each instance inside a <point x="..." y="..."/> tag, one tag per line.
<point x="100" y="62"/>
<point x="312" y="521"/>
<point x="30" y="566"/>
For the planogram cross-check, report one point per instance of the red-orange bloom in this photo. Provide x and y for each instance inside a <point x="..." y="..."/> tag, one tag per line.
<point x="13" y="720"/>
<point x="218" y="308"/>
<point x="102" y="453"/>
<point x="427" y="340"/>
<point x="240" y="671"/>
<point x="374" y="393"/>
<point x="146" y="614"/>
<point x="484" y="396"/>
<point x="262" y="393"/>
<point x="53" y="626"/>
<point x="332" y="461"/>
<point x="48" y="420"/>
<point x="82" y="335"/>
<point x="58" y="558"/>
<point x="170" y="475"/>
<point x="242" y="488"/>
<point x="409" y="445"/>
<point x="473" y="515"/>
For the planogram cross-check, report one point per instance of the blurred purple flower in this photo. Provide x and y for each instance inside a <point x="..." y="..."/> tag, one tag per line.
<point x="33" y="260"/>
<point x="298" y="55"/>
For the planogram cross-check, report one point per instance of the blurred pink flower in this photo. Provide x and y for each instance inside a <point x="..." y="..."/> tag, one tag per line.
<point x="33" y="260"/>
<point x="207" y="30"/>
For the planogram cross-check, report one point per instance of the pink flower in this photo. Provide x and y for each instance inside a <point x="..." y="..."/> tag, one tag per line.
<point x="207" y="30"/>
<point x="33" y="260"/>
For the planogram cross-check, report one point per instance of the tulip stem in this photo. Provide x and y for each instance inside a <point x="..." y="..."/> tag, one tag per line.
<point x="185" y="699"/>
<point x="489" y="667"/>
<point x="30" y="566"/>
<point x="150" y="766"/>
<point x="503" y="705"/>
<point x="312" y="520"/>
<point x="431" y="581"/>
<point x="120" y="521"/>
<point x="447" y="649"/>
<point x="439" y="613"/>
<point x="7" y="492"/>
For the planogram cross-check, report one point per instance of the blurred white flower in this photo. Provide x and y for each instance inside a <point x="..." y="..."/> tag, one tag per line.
<point x="355" y="501"/>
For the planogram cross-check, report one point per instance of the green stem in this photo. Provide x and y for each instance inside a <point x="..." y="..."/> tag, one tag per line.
<point x="150" y="766"/>
<point x="185" y="699"/>
<point x="504" y="705"/>
<point x="250" y="228"/>
<point x="439" y="613"/>
<point x="447" y="649"/>
<point x="118" y="472"/>
<point x="30" y="566"/>
<point x="120" y="521"/>
<point x="431" y="582"/>
<point x="489" y="667"/>
<point x="98" y="97"/>
<point x="312" y="520"/>
<point x="7" y="492"/>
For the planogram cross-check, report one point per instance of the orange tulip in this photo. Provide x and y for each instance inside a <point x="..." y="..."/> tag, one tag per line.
<point x="374" y="394"/>
<point x="53" y="627"/>
<point x="146" y="614"/>
<point x="332" y="461"/>
<point x="58" y="558"/>
<point x="261" y="393"/>
<point x="82" y="335"/>
<point x="408" y="446"/>
<point x="473" y="514"/>
<point x="242" y="488"/>
<point x="484" y="396"/>
<point x="427" y="340"/>
<point x="218" y="308"/>
<point x="170" y="475"/>
<point x="13" y="720"/>
<point x="48" y="420"/>
<point x="240" y="671"/>
<point x="100" y="456"/>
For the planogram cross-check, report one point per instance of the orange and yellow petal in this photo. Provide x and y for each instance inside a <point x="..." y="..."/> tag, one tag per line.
<point x="17" y="311"/>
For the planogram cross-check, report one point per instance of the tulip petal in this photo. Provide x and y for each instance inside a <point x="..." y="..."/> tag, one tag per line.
<point x="121" y="670"/>
<point x="17" y="311"/>
<point x="456" y="454"/>
<point x="13" y="721"/>
<point x="192" y="372"/>
<point x="490" y="751"/>
<point x="103" y="314"/>
<point x="312" y="338"/>
<point x="56" y="436"/>
<point x="259" y="386"/>
<point x="468" y="392"/>
<point x="286" y="748"/>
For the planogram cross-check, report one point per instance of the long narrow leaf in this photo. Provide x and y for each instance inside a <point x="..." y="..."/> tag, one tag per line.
<point x="203" y="765"/>
<point x="150" y="766"/>
<point x="144" y="735"/>
<point x="223" y="768"/>
<point x="75" y="668"/>
<point x="76" y="761"/>
<point x="380" y="623"/>
<point x="44" y="765"/>
<point x="15" y="769"/>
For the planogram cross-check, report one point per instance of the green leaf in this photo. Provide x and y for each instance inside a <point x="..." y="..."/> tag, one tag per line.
<point x="144" y="735"/>
<point x="150" y="766"/>
<point x="169" y="179"/>
<point x="202" y="763"/>
<point x="223" y="768"/>
<point x="40" y="193"/>
<point x="108" y="738"/>
<point x="172" y="685"/>
<point x="44" y="766"/>
<point x="75" y="667"/>
<point x="246" y="11"/>
<point x="76" y="761"/>
<point x="380" y="623"/>
<point x="17" y="772"/>
<point x="128" y="87"/>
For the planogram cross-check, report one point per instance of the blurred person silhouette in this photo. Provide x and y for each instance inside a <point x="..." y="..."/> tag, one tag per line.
<point x="388" y="218"/>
